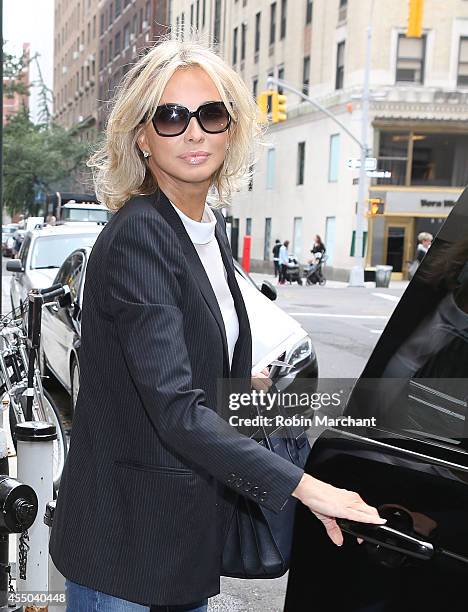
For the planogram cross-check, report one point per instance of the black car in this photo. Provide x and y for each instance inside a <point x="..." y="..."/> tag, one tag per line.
<point x="406" y="453"/>
<point x="61" y="333"/>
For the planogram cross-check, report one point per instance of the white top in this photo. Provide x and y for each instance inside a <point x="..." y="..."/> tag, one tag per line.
<point x="202" y="234"/>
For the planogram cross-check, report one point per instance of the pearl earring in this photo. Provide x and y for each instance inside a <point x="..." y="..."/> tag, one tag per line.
<point x="146" y="153"/>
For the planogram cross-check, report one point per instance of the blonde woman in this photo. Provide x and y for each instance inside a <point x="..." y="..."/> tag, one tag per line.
<point x="153" y="470"/>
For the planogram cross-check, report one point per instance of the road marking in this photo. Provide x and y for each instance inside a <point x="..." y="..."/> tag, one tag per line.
<point x="337" y="316"/>
<point x="384" y="296"/>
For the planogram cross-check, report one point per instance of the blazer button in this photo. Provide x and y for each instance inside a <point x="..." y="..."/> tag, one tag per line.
<point x="262" y="499"/>
<point x="239" y="482"/>
<point x="231" y="477"/>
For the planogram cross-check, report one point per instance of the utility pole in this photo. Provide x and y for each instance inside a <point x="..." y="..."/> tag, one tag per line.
<point x="356" y="278"/>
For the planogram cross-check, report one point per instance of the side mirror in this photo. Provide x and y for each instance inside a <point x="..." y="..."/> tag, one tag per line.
<point x="269" y="290"/>
<point x="14" y="265"/>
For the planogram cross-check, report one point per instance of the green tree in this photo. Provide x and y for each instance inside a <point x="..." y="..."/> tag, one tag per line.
<point x="44" y="156"/>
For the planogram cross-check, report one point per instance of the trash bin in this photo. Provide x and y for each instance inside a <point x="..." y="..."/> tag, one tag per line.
<point x="382" y="275"/>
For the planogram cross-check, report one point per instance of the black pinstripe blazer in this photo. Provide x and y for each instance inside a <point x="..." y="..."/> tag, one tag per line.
<point x="154" y="470"/>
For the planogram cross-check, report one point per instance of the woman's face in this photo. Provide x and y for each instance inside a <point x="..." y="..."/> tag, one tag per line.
<point x="189" y="87"/>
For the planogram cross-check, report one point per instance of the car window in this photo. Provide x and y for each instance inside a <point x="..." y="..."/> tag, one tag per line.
<point x="24" y="250"/>
<point x="51" y="251"/>
<point x="85" y="214"/>
<point x="64" y="272"/>
<point x="416" y="381"/>
<point x="74" y="275"/>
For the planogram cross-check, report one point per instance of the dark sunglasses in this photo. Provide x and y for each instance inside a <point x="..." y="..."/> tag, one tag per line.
<point x="173" y="119"/>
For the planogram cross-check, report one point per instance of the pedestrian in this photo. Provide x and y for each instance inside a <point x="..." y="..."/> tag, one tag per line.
<point x="424" y="242"/>
<point x="51" y="220"/>
<point x="318" y="247"/>
<point x="276" y="249"/>
<point x="283" y="262"/>
<point x="154" y="471"/>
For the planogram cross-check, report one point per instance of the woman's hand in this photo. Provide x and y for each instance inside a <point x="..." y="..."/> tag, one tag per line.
<point x="260" y="380"/>
<point x="329" y="503"/>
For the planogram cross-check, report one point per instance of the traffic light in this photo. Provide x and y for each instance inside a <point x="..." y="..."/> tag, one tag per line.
<point x="415" y="16"/>
<point x="376" y="207"/>
<point x="278" y="111"/>
<point x="264" y="105"/>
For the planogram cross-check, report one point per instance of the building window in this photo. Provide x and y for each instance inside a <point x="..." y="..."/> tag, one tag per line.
<point x="257" y="31"/>
<point x="284" y="9"/>
<point x="117" y="7"/>
<point x="342" y="10"/>
<point x="267" y="240"/>
<point x="410" y="59"/>
<point x="305" y="75"/>
<point x="423" y="158"/>
<point x="148" y="11"/>
<point x="198" y="14"/>
<point x="182" y="25"/>
<point x="110" y="50"/>
<point x="254" y="87"/>
<point x="101" y="25"/>
<point x="248" y="226"/>
<point x="281" y="78"/>
<point x="217" y="22"/>
<point x="191" y="15"/>
<point x="117" y="43"/>
<point x="270" y="168"/>
<point x="234" y="47"/>
<point x="272" y="23"/>
<point x="297" y="237"/>
<point x="334" y="158"/>
<point x="462" y="74"/>
<point x="203" y="13"/>
<point x="340" y="65"/>
<point x="300" y="162"/>
<point x="309" y="5"/>
<point x="111" y="19"/>
<point x="243" y="41"/>
<point x="126" y="35"/>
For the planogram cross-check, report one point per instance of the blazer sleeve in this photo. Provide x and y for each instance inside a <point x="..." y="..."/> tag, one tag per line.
<point x="144" y="299"/>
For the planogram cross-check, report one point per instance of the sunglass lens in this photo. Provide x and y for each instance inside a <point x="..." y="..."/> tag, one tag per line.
<point x="170" y="120"/>
<point x="214" y="117"/>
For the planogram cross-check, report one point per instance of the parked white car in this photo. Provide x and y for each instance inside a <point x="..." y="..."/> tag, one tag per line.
<point x="42" y="253"/>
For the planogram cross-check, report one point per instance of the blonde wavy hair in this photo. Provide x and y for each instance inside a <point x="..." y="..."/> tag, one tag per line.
<point x="118" y="166"/>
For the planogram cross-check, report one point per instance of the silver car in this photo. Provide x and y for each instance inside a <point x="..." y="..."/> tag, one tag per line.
<point x="42" y="253"/>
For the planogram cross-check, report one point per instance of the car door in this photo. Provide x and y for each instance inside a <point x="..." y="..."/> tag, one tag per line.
<point x="59" y="324"/>
<point x="403" y="446"/>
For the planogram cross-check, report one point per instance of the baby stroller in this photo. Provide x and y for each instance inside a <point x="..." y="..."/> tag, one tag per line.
<point x="314" y="274"/>
<point x="293" y="271"/>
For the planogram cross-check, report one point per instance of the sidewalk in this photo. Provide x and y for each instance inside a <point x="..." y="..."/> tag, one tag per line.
<point x="258" y="277"/>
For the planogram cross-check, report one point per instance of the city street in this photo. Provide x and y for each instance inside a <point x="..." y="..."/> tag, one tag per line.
<point x="344" y="324"/>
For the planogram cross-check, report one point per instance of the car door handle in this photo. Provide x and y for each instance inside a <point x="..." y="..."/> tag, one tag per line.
<point x="387" y="537"/>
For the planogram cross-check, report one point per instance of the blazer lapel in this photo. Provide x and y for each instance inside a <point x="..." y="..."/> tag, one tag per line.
<point x="243" y="345"/>
<point x="242" y="356"/>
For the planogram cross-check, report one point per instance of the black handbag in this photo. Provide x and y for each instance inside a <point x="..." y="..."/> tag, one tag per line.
<point x="258" y="542"/>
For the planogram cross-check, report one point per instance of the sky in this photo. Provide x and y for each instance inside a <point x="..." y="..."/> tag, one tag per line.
<point x="31" y="21"/>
